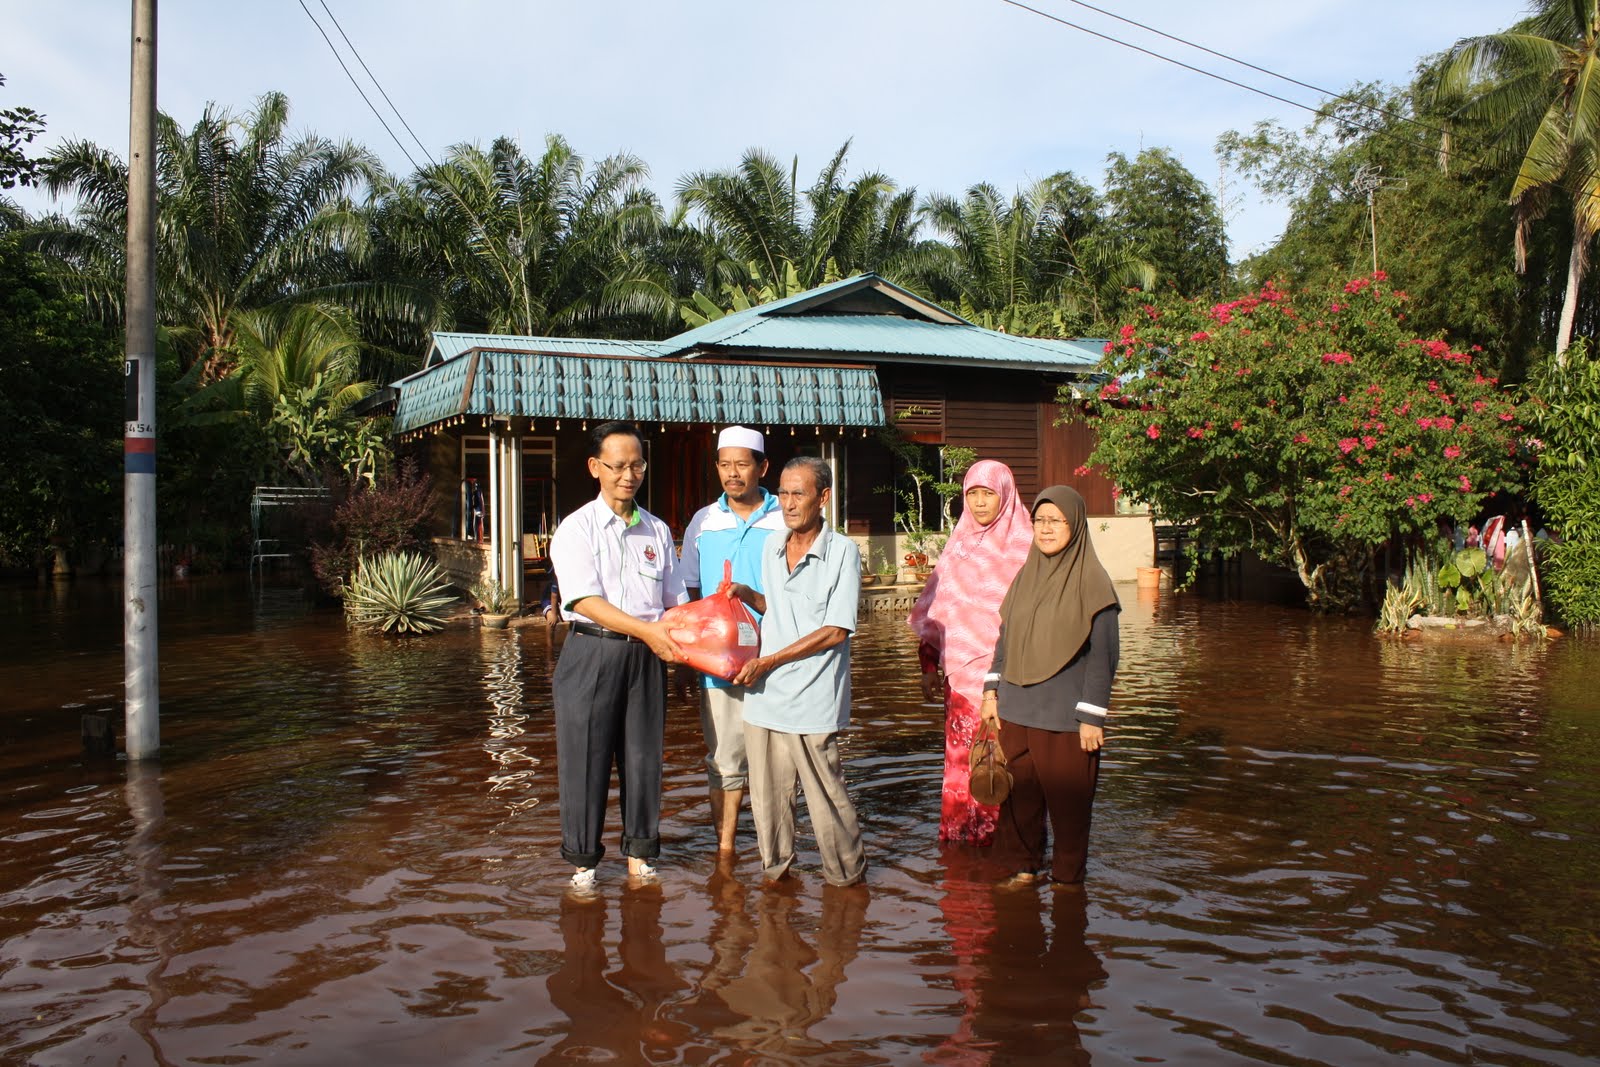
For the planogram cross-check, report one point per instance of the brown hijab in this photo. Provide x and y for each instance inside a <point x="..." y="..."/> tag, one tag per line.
<point x="1053" y="600"/>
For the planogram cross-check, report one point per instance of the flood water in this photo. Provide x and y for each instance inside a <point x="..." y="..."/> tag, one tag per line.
<point x="1310" y="846"/>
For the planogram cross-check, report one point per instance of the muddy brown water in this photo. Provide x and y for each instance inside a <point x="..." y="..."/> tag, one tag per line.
<point x="1309" y="847"/>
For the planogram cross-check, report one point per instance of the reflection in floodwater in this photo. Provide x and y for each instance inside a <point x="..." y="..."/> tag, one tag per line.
<point x="147" y="813"/>
<point x="1310" y="846"/>
<point x="507" y="718"/>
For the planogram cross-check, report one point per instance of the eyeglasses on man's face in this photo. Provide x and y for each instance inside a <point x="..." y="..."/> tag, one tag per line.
<point x="1048" y="524"/>
<point x="636" y="467"/>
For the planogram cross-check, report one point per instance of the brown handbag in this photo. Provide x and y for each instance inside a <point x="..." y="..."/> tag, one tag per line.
<point x="988" y="779"/>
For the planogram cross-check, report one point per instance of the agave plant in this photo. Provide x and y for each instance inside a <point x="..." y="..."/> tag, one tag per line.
<point x="494" y="597"/>
<point x="1396" y="611"/>
<point x="403" y="592"/>
<point x="1527" y="614"/>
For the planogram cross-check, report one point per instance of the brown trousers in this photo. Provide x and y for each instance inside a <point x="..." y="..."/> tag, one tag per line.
<point x="1051" y="774"/>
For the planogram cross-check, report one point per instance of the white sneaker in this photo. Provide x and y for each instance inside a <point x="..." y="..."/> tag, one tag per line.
<point x="583" y="880"/>
<point x="643" y="873"/>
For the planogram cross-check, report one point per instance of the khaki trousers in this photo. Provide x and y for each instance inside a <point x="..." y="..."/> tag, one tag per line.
<point x="779" y="762"/>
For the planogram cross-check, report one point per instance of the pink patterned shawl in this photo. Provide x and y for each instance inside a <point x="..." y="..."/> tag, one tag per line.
<point x="959" y="610"/>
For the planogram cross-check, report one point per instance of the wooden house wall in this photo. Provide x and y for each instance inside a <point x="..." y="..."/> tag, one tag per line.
<point x="1065" y="448"/>
<point x="1008" y="416"/>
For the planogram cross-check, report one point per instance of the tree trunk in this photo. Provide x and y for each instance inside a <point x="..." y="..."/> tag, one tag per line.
<point x="1569" y="304"/>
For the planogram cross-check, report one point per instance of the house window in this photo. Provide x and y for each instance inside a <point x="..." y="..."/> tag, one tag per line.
<point x="476" y="505"/>
<point x="539" y="515"/>
<point x="916" y="409"/>
<point x="475" y="511"/>
<point x="833" y="454"/>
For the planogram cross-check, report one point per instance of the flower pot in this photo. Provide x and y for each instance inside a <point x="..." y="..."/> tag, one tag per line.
<point x="1149" y="577"/>
<point x="869" y="579"/>
<point x="495" y="620"/>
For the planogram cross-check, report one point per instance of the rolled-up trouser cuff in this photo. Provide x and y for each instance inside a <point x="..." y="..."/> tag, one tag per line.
<point x="641" y="848"/>
<point x="582" y="859"/>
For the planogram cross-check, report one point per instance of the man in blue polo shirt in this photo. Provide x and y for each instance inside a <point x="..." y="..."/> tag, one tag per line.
<point x="733" y="528"/>
<point x="799" y="696"/>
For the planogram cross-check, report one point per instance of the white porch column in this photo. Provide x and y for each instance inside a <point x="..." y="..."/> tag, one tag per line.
<point x="508" y="523"/>
<point x="494" y="504"/>
<point x="833" y="456"/>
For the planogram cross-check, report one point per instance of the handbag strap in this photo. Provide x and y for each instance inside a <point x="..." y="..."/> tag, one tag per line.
<point x="989" y="735"/>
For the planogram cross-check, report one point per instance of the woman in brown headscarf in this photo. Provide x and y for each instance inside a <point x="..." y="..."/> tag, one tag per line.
<point x="1048" y="689"/>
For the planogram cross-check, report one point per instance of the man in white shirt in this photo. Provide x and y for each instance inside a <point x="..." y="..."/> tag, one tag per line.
<point x="731" y="529"/>
<point x="615" y="566"/>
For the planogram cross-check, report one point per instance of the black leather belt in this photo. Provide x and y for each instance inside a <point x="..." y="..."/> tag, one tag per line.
<point x="592" y="630"/>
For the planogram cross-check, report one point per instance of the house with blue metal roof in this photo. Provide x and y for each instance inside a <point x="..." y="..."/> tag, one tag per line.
<point x="825" y="372"/>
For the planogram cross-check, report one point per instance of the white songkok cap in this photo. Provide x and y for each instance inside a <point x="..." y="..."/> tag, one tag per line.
<point x="742" y="437"/>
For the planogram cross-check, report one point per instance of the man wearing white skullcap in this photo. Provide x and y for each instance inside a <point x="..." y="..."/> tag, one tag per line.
<point x="732" y="528"/>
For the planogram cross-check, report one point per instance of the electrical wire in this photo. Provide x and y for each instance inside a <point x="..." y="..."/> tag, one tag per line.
<point x="1331" y="94"/>
<point x="343" y="66"/>
<point x="453" y="194"/>
<point x="1470" y="160"/>
<point x="378" y="84"/>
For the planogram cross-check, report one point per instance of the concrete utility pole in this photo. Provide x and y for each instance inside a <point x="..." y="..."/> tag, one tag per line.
<point x="1368" y="181"/>
<point x="140" y="664"/>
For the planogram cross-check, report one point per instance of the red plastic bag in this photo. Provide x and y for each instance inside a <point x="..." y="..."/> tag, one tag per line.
<point x="718" y="634"/>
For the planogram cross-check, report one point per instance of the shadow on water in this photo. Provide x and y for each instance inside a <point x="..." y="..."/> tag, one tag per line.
<point x="1310" y="847"/>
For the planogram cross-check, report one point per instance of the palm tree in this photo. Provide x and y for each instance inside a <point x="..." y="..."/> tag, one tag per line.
<point x="542" y="246"/>
<point x="775" y="231"/>
<point x="296" y="374"/>
<point x="1536" y="89"/>
<point x="245" y="220"/>
<point x="1039" y="256"/>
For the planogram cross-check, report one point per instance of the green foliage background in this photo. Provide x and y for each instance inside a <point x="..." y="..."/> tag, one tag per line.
<point x="1566" y="415"/>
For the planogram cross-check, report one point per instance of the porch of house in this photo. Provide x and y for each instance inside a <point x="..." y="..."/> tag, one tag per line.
<point x="501" y="423"/>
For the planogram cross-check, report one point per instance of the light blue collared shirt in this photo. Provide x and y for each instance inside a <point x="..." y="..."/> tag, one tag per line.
<point x="810" y="695"/>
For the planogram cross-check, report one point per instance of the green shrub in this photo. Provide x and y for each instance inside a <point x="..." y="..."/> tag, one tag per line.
<point x="389" y="516"/>
<point x="1571" y="576"/>
<point x="1565" y="390"/>
<point x="403" y="592"/>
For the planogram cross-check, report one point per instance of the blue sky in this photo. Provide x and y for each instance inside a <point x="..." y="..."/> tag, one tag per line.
<point x="936" y="93"/>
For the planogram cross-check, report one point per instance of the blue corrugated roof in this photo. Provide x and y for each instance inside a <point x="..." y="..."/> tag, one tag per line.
<point x="864" y="317"/>
<point x="902" y="325"/>
<point x="865" y="336"/>
<point x="447" y="345"/>
<point x="496" y="383"/>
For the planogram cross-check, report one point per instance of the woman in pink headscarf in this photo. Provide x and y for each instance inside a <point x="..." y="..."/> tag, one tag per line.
<point x="957" y="619"/>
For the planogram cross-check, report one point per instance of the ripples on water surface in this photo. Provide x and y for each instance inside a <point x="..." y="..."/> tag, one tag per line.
<point x="1309" y="847"/>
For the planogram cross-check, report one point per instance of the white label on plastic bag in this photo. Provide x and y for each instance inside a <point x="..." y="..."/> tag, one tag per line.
<point x="747" y="635"/>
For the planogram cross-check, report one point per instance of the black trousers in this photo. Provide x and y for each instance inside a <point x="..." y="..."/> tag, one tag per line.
<point x="611" y="707"/>
<point x="1050" y="774"/>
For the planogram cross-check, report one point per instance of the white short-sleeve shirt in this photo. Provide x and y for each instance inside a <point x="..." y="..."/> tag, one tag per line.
<point x="629" y="562"/>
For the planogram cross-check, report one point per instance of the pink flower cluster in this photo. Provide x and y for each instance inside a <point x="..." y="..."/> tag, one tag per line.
<point x="1337" y="357"/>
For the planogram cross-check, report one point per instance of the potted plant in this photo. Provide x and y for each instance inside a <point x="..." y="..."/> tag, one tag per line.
<point x="884" y="567"/>
<point x="495" y="599"/>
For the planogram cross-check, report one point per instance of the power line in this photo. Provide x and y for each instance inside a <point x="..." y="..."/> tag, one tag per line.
<point x="1470" y="160"/>
<point x="379" y="85"/>
<point x="378" y="115"/>
<point x="513" y="244"/>
<point x="1330" y="93"/>
<point x="1164" y="58"/>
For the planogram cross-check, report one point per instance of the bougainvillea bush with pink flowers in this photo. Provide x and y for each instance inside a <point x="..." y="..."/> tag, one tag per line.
<point x="1310" y="428"/>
